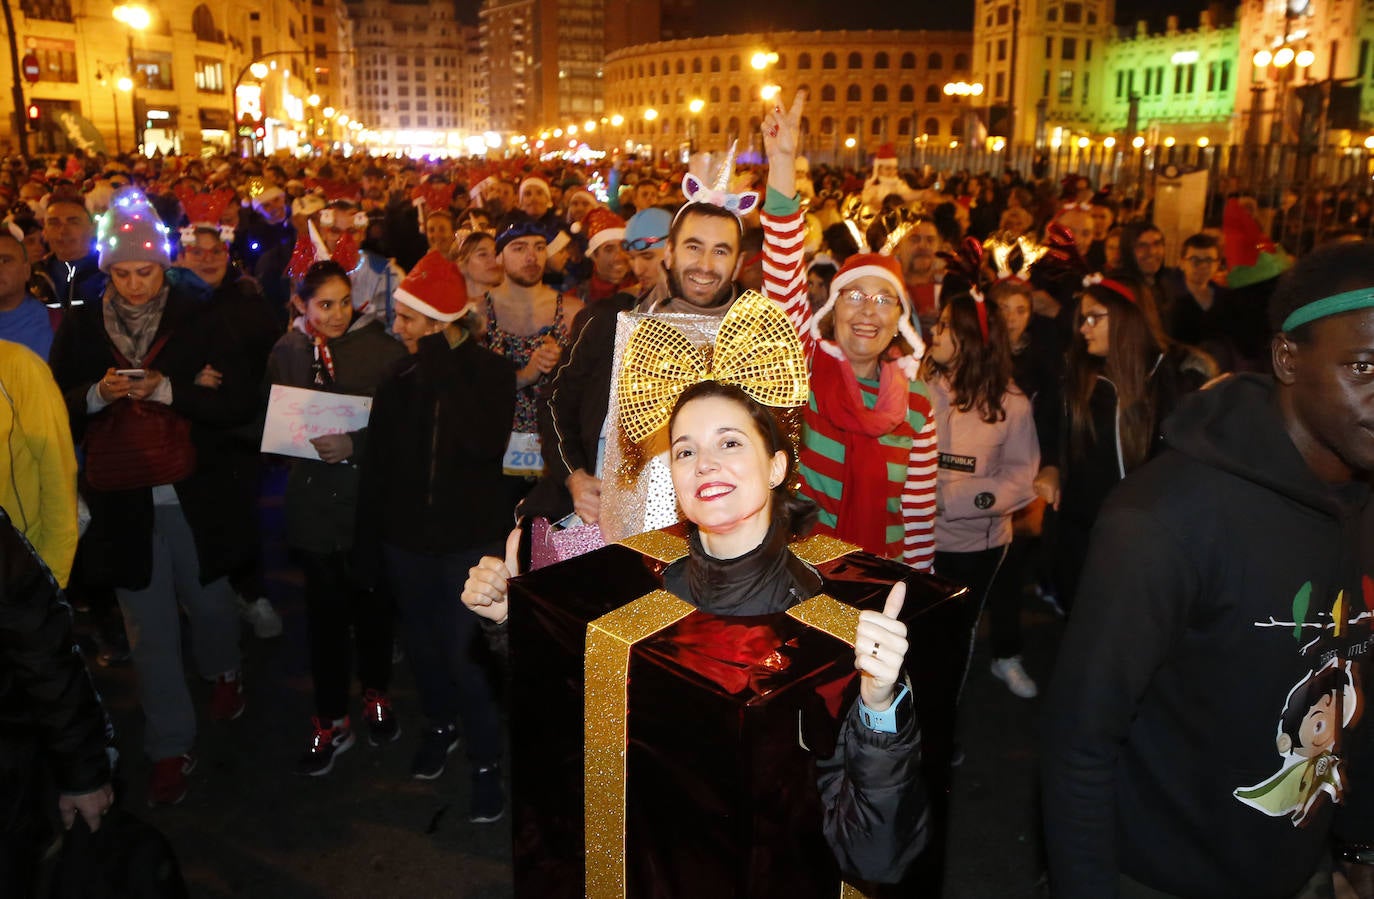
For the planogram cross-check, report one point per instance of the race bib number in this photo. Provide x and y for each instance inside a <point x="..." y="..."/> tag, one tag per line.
<point x="524" y="458"/>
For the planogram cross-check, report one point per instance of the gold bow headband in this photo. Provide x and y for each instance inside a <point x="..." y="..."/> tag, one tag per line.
<point x="756" y="349"/>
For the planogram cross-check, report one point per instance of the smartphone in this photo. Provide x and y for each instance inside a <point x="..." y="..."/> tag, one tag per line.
<point x="133" y="374"/>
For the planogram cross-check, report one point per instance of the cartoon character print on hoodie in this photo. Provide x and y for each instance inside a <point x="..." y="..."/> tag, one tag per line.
<point x="1318" y="710"/>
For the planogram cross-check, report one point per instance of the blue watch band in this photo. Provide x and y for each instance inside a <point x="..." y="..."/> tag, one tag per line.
<point x="885" y="722"/>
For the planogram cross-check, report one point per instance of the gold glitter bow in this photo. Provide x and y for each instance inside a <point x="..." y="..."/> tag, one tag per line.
<point x="756" y="349"/>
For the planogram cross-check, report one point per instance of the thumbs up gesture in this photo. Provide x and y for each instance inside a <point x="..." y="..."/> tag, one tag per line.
<point x="487" y="588"/>
<point x="879" y="650"/>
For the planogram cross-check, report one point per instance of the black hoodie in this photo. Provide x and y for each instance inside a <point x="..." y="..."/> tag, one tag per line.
<point x="1188" y="735"/>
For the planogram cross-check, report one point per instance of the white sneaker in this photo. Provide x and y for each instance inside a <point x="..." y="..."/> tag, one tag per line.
<point x="260" y="614"/>
<point x="1010" y="672"/>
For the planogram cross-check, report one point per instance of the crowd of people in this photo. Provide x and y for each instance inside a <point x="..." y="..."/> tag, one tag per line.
<point x="986" y="360"/>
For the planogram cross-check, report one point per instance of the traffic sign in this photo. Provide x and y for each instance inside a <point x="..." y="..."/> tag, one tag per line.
<point x="32" y="70"/>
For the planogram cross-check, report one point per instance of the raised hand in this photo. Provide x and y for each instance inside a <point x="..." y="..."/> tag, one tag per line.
<point x="879" y="650"/>
<point x="782" y="130"/>
<point x="487" y="588"/>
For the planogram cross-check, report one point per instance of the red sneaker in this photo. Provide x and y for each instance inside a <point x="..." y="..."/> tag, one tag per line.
<point x="227" y="702"/>
<point x="167" y="786"/>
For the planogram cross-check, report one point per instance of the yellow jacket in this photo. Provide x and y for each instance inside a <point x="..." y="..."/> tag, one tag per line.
<point x="38" y="484"/>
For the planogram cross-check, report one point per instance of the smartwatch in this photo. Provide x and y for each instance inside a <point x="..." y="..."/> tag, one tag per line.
<point x="894" y="719"/>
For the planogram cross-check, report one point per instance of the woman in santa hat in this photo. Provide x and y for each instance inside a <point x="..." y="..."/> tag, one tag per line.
<point x="868" y="453"/>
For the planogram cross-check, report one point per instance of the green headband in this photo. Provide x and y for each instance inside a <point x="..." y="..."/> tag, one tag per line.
<point x="1335" y="305"/>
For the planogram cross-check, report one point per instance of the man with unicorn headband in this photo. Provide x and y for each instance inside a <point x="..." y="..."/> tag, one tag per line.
<point x="335" y="232"/>
<point x="702" y="260"/>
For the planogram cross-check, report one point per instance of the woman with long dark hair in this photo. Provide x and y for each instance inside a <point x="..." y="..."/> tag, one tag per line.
<point x="731" y="469"/>
<point x="988" y="459"/>
<point x="329" y="349"/>
<point x="1118" y="386"/>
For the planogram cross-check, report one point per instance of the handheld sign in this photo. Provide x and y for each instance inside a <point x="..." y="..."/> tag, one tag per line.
<point x="296" y="416"/>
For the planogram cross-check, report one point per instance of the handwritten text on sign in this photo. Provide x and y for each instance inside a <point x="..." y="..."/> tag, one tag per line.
<point x="296" y="416"/>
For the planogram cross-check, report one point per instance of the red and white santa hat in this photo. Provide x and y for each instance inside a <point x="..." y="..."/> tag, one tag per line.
<point x="873" y="265"/>
<point x="886" y="153"/>
<point x="435" y="288"/>
<point x="601" y="226"/>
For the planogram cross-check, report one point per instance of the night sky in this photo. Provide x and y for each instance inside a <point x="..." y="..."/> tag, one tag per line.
<point x="732" y="17"/>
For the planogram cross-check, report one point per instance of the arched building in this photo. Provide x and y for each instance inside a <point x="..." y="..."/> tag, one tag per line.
<point x="871" y="87"/>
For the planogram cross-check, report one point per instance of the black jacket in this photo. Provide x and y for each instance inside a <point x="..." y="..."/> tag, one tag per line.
<point x="70" y="284"/>
<point x="570" y="422"/>
<point x="432" y="476"/>
<point x="1088" y="473"/>
<point x="118" y="548"/>
<point x="1181" y="696"/>
<point x="46" y="695"/>
<point x="322" y="499"/>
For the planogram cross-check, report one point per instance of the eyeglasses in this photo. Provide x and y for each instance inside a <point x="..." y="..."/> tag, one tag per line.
<point x="856" y="298"/>
<point x="1092" y="318"/>
<point x="1201" y="260"/>
<point x="640" y="244"/>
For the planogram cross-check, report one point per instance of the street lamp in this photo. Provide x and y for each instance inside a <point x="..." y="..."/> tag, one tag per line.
<point x="137" y="18"/>
<point x="694" y="107"/>
<point x="1280" y="59"/>
<point x="769" y="91"/>
<point x="762" y="60"/>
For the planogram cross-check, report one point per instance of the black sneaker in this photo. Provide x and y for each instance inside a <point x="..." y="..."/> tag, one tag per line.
<point x="382" y="726"/>
<point x="488" y="802"/>
<point x="435" y="745"/>
<point x="329" y="741"/>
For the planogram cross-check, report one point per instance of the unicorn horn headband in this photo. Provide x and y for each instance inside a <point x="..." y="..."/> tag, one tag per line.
<point x="719" y="195"/>
<point x="756" y="349"/>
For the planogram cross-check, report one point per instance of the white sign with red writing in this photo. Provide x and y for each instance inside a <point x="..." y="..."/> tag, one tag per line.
<point x="296" y="416"/>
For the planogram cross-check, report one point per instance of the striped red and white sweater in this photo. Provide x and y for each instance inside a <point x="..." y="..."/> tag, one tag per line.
<point x="911" y="449"/>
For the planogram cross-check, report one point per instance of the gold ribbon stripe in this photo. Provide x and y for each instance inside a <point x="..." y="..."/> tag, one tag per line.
<point x="826" y="613"/>
<point x="606" y="729"/>
<point x="660" y="545"/>
<point x="820" y="548"/>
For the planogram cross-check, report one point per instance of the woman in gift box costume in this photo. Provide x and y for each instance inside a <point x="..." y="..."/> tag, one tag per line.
<point x="731" y="465"/>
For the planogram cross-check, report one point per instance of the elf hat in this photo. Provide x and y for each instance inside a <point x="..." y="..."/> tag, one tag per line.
<point x="130" y="231"/>
<point x="866" y="265"/>
<point x="435" y="288"/>
<point x="601" y="226"/>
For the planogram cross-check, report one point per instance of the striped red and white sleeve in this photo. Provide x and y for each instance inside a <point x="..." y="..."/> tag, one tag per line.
<point x="784" y="269"/>
<point x="918" y="497"/>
